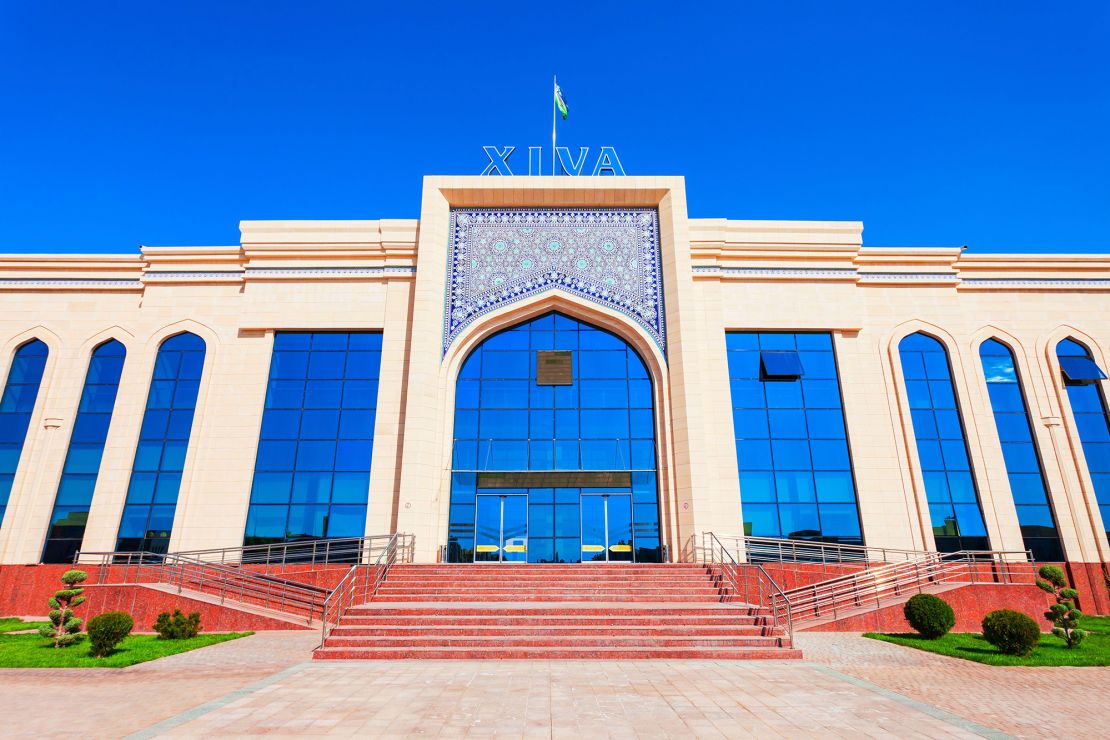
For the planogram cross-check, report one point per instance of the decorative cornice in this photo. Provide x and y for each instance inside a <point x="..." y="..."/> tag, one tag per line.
<point x="1036" y="283"/>
<point x="216" y="275"/>
<point x="910" y="276"/>
<point x="773" y="272"/>
<point x="295" y="272"/>
<point x="69" y="283"/>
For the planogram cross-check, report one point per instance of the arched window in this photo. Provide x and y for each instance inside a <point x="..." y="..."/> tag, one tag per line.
<point x="20" y="393"/>
<point x="160" y="457"/>
<point x="86" y="445"/>
<point x="950" y="490"/>
<point x="312" y="472"/>
<point x="554" y="448"/>
<point x="1083" y="379"/>
<point x="1019" y="450"/>
<point x="791" y="444"/>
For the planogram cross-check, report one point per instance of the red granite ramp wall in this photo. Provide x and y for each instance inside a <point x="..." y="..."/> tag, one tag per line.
<point x="970" y="603"/>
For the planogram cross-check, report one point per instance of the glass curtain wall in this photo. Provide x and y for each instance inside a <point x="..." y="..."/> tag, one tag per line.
<point x="312" y="472"/>
<point x="163" y="440"/>
<point x="791" y="445"/>
<point x="1083" y="380"/>
<point x="86" y="446"/>
<point x="558" y="466"/>
<point x="950" y="489"/>
<point x="1019" y="450"/>
<point x="16" y="405"/>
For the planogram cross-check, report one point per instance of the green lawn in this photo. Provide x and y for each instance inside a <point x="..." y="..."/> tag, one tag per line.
<point x="32" y="651"/>
<point x="14" y="624"/>
<point x="1095" y="650"/>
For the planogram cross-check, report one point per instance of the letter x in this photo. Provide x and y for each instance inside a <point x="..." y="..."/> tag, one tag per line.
<point x="498" y="160"/>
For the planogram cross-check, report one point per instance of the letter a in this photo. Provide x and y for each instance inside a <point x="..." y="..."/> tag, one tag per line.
<point x="608" y="163"/>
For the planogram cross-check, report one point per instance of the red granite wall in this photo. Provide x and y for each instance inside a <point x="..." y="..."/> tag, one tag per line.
<point x="24" y="589"/>
<point x="144" y="604"/>
<point x="970" y="603"/>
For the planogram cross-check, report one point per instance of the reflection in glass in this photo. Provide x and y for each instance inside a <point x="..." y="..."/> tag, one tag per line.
<point x="505" y="421"/>
<point x="941" y="445"/>
<point x="1019" y="450"/>
<point x="163" y="441"/>
<point x="1088" y="407"/>
<point x="791" y="445"/>
<point x="312" y="471"/>
<point x="20" y="393"/>
<point x="86" y="446"/>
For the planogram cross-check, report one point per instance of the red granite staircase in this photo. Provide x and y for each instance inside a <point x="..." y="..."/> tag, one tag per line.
<point x="587" y="611"/>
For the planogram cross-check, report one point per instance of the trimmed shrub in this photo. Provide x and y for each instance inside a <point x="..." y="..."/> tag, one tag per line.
<point x="177" y="626"/>
<point x="930" y="615"/>
<point x="106" y="631"/>
<point x="64" y="628"/>
<point x="1063" y="614"/>
<point x="1011" y="632"/>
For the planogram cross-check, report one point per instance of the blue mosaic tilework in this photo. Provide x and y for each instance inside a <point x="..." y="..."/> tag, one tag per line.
<point x="607" y="256"/>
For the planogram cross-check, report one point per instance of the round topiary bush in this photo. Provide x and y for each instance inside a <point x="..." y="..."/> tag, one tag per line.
<point x="107" y="630"/>
<point x="1011" y="632"/>
<point x="930" y="615"/>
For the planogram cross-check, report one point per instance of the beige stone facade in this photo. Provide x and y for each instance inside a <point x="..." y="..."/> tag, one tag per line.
<point x="390" y="275"/>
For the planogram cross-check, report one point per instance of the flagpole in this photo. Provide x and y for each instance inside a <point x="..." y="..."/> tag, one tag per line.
<point x="554" y="87"/>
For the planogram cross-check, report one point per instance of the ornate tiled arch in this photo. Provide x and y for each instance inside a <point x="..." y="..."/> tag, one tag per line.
<point x="607" y="256"/>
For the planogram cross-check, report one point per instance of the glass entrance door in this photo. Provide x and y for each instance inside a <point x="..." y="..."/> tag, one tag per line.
<point x="501" y="528"/>
<point x="607" y="527"/>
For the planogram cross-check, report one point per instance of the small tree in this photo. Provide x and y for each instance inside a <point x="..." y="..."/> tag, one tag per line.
<point x="1013" y="633"/>
<point x="106" y="631"/>
<point x="64" y="628"/>
<point x="178" y="626"/>
<point x="1063" y="614"/>
<point x="930" y="615"/>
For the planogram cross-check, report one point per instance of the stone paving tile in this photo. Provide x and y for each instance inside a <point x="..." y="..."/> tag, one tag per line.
<point x="1022" y="702"/>
<point x="113" y="702"/>
<point x="573" y="699"/>
<point x="265" y="685"/>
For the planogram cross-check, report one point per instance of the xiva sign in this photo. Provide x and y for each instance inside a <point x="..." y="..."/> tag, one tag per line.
<point x="607" y="162"/>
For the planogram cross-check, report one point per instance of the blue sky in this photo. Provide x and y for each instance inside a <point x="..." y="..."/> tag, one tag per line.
<point x="940" y="123"/>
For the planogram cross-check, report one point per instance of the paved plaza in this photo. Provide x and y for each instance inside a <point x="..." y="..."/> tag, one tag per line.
<point x="846" y="687"/>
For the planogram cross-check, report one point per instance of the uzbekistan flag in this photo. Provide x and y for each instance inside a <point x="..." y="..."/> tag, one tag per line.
<point x="561" y="101"/>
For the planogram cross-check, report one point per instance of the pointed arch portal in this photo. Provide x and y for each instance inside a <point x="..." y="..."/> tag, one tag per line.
<point x="554" y="455"/>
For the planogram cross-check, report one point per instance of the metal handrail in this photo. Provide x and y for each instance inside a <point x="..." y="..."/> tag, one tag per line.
<point x="778" y="550"/>
<point x="215" y="579"/>
<point x="775" y="599"/>
<point x="870" y="587"/>
<point x="342" y="550"/>
<point x="356" y="586"/>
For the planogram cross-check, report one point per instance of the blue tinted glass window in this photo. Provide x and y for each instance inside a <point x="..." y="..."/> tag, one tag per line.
<point x="16" y="405"/>
<point x="163" y="440"/>
<point x="1088" y="407"/>
<point x="1081" y="368"/>
<point x="602" y="421"/>
<point x="791" y="443"/>
<point x="1023" y="464"/>
<point x="312" y="471"/>
<point x="86" y="445"/>
<point x="941" y="443"/>
<point x="783" y="364"/>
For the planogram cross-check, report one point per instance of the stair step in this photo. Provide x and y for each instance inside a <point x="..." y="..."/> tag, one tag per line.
<point x="565" y="630"/>
<point x="557" y="653"/>
<point x="558" y="611"/>
<point x="676" y="598"/>
<point x="548" y="642"/>
<point x="578" y="610"/>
